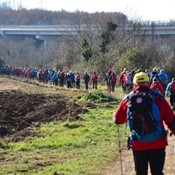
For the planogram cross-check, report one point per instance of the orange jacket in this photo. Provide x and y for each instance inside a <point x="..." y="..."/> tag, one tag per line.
<point x="166" y="115"/>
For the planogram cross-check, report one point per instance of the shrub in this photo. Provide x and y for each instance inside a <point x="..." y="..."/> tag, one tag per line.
<point x="99" y="97"/>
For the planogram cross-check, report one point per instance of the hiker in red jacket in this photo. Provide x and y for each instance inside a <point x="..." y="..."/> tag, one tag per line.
<point x="146" y="152"/>
<point x="122" y="79"/>
<point x="113" y="81"/>
<point x="94" y="80"/>
<point x="157" y="86"/>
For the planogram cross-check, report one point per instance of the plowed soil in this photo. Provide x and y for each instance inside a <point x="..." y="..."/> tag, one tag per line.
<point x="20" y="111"/>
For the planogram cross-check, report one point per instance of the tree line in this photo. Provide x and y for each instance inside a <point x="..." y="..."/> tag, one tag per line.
<point x="98" y="48"/>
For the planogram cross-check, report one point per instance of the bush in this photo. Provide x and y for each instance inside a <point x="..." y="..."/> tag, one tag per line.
<point x="99" y="97"/>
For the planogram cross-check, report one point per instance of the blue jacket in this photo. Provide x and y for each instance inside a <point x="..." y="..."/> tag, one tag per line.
<point x="168" y="88"/>
<point x="163" y="77"/>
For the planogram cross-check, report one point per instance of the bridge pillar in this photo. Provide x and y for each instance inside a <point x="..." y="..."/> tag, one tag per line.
<point x="1" y="32"/>
<point x="39" y="43"/>
<point x="153" y="29"/>
<point x="45" y="43"/>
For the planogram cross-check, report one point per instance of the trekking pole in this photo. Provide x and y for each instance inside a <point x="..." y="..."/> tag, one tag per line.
<point x="119" y="148"/>
<point x="174" y="147"/>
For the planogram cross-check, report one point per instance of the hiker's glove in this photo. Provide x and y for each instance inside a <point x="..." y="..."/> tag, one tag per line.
<point x="171" y="134"/>
<point x="171" y="126"/>
<point x="115" y="122"/>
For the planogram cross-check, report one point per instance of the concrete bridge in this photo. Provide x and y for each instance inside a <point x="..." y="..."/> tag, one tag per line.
<point x="51" y="32"/>
<point x="39" y="32"/>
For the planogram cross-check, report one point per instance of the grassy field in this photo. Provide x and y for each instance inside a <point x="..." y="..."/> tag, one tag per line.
<point x="86" y="146"/>
<point x="82" y="147"/>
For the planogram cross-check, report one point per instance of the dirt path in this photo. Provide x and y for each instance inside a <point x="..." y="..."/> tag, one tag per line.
<point x="127" y="165"/>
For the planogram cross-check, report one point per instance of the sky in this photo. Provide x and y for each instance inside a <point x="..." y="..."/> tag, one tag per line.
<point x="144" y="10"/>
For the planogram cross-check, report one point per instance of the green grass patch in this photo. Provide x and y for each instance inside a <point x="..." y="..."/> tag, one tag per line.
<point x="99" y="97"/>
<point x="95" y="97"/>
<point x="71" y="148"/>
<point x="80" y="147"/>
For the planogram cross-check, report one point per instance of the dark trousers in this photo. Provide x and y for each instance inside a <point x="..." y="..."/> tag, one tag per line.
<point x="94" y="84"/>
<point x="77" y="83"/>
<point x="172" y="100"/>
<point x="86" y="85"/>
<point x="156" y="159"/>
<point x="113" y="86"/>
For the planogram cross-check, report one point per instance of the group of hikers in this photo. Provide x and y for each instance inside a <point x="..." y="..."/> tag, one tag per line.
<point x="126" y="78"/>
<point x="144" y="107"/>
<point x="56" y="77"/>
<point x="159" y="81"/>
<point x="149" y="116"/>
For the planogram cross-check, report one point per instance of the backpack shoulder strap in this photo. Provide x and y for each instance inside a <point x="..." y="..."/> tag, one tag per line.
<point x="156" y="94"/>
<point x="128" y="95"/>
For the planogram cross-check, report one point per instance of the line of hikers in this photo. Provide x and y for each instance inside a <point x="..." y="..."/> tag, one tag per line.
<point x="61" y="78"/>
<point x="159" y="81"/>
<point x="156" y="77"/>
<point x="56" y="77"/>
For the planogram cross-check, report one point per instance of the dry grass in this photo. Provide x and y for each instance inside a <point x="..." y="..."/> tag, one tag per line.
<point x="32" y="86"/>
<point x="128" y="164"/>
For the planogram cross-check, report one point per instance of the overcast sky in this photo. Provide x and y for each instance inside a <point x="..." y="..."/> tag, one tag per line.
<point x="152" y="10"/>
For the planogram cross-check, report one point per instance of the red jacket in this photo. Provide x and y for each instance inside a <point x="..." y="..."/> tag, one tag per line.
<point x="166" y="115"/>
<point x="157" y="86"/>
<point x="94" y="77"/>
<point x="122" y="78"/>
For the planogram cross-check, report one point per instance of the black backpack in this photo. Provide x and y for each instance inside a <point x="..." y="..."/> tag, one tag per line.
<point x="143" y="117"/>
